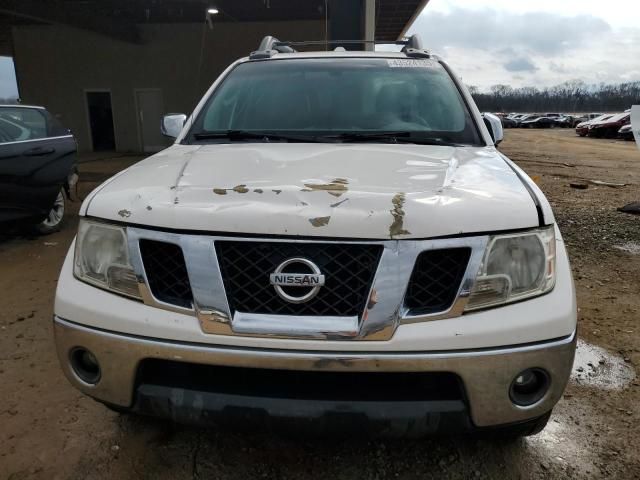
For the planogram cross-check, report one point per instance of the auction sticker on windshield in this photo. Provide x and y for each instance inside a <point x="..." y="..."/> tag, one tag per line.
<point x="409" y="63"/>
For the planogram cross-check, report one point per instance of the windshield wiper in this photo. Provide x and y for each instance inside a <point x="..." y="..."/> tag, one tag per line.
<point x="391" y="137"/>
<point x="364" y="136"/>
<point x="239" y="135"/>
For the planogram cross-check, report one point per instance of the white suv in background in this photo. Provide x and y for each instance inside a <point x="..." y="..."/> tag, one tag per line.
<point x="332" y="234"/>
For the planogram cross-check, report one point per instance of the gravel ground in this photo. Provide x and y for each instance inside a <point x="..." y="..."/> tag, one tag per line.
<point x="49" y="430"/>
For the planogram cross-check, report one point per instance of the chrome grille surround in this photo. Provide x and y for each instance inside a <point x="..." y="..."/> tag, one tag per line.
<point x="377" y="322"/>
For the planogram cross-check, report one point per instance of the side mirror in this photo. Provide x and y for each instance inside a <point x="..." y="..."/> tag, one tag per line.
<point x="172" y="124"/>
<point x="494" y="125"/>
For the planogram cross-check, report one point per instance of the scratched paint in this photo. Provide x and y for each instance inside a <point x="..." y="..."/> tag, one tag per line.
<point x="397" y="212"/>
<point x="124" y="213"/>
<point x="320" y="221"/>
<point x="337" y="204"/>
<point x="336" y="187"/>
<point x="237" y="189"/>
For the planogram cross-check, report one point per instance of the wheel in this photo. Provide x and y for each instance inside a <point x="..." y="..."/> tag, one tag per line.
<point x="526" y="429"/>
<point x="54" y="219"/>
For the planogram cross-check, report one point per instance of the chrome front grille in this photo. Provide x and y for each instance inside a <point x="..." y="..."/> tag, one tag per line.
<point x="371" y="287"/>
<point x="349" y="270"/>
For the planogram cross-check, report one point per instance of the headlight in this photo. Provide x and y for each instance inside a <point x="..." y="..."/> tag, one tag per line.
<point x="515" y="267"/>
<point x="102" y="258"/>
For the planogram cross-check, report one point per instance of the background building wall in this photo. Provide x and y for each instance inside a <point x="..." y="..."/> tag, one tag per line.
<point x="55" y="65"/>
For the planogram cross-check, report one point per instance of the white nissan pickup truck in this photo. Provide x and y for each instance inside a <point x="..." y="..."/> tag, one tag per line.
<point x="332" y="235"/>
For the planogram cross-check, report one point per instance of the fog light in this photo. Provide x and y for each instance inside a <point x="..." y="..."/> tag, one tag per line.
<point x="529" y="387"/>
<point x="85" y="365"/>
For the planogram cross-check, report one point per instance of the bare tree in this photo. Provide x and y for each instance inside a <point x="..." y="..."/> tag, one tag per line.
<point x="571" y="96"/>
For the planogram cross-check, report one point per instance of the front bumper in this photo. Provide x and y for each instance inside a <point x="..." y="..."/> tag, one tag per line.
<point x="486" y="374"/>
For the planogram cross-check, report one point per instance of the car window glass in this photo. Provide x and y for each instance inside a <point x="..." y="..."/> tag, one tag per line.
<point x="340" y="95"/>
<point x="55" y="127"/>
<point x="20" y="124"/>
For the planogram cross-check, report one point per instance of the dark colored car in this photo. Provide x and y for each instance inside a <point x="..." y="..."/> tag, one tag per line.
<point x="566" y="121"/>
<point x="582" y="128"/>
<point x="508" y="122"/>
<point x="538" y="122"/>
<point x="609" y="127"/>
<point x="38" y="168"/>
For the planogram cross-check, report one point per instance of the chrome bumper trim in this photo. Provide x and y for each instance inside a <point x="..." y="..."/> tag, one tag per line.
<point x="486" y="374"/>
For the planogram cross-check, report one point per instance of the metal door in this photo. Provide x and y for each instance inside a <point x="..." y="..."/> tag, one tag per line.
<point x="36" y="156"/>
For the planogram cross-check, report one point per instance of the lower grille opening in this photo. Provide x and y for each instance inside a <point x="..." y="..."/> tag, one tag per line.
<point x="302" y="385"/>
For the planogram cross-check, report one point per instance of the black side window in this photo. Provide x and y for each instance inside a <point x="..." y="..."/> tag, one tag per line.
<point x="55" y="127"/>
<point x="21" y="124"/>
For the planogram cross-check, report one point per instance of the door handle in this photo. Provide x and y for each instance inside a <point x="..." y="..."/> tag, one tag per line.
<point x="38" y="152"/>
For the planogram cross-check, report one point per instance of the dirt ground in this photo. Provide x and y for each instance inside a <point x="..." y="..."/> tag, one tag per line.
<point x="49" y="430"/>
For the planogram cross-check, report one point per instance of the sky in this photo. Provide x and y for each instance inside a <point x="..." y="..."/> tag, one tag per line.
<point x="8" y="88"/>
<point x="534" y="42"/>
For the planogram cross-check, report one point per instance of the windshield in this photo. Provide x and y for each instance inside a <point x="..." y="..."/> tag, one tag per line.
<point x="338" y="98"/>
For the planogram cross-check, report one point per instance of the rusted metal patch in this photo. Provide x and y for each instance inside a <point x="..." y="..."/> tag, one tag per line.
<point x="397" y="227"/>
<point x="320" y="221"/>
<point x="219" y="191"/>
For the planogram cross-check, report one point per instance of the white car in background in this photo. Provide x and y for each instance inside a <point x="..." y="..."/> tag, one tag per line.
<point x="332" y="235"/>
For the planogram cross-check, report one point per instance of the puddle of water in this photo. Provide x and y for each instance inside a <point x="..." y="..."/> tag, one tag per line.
<point x="596" y="367"/>
<point x="630" y="247"/>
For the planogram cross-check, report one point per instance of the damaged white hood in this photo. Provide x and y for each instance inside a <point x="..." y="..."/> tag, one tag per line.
<point x="366" y="191"/>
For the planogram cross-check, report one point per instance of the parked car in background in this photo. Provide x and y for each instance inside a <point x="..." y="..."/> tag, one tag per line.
<point x="582" y="128"/>
<point x="626" y="133"/>
<point x="609" y="127"/>
<point x="508" y="122"/>
<point x="587" y="117"/>
<point x="521" y="118"/>
<point x="538" y="121"/>
<point x="38" y="170"/>
<point x="565" y="121"/>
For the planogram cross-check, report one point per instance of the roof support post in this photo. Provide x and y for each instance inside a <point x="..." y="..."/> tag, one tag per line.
<point x="370" y="24"/>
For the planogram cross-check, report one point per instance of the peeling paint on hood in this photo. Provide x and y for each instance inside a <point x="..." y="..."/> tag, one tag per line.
<point x="398" y="191"/>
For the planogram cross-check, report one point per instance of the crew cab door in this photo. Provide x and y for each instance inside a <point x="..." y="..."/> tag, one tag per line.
<point x="37" y="154"/>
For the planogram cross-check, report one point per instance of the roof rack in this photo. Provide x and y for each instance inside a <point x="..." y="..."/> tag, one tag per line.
<point x="269" y="46"/>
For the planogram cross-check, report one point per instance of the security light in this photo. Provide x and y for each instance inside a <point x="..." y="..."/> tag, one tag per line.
<point x="213" y="11"/>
